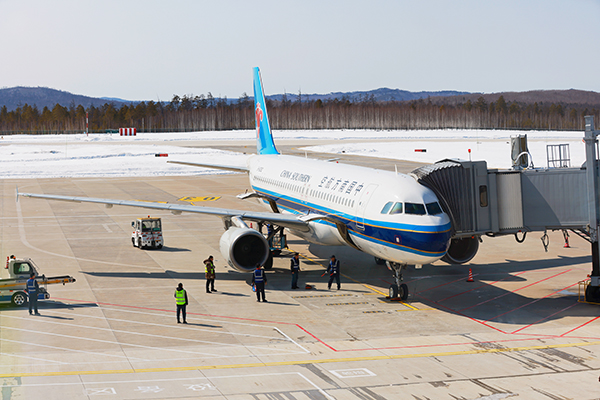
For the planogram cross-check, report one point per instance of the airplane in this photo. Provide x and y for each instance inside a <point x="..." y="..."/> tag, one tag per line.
<point x="382" y="213"/>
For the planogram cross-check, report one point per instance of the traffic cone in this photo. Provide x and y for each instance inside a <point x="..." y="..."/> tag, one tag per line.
<point x="566" y="236"/>
<point x="470" y="279"/>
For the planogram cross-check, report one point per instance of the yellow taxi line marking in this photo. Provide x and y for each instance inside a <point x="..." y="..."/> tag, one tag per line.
<point x="303" y="362"/>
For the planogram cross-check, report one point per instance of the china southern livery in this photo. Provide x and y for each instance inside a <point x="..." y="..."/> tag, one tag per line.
<point x="385" y="214"/>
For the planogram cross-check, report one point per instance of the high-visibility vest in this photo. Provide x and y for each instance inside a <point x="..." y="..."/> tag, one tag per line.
<point x="210" y="268"/>
<point x="180" y="297"/>
<point x="31" y="286"/>
<point x="258" y="276"/>
<point x="334" y="267"/>
<point x="295" y="264"/>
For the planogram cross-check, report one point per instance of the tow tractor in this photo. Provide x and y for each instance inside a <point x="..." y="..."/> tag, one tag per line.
<point x="147" y="232"/>
<point x="12" y="289"/>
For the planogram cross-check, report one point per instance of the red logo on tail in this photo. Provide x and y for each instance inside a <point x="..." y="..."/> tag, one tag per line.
<point x="259" y="116"/>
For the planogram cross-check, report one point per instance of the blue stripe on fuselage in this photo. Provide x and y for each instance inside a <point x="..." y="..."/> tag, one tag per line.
<point x="424" y="240"/>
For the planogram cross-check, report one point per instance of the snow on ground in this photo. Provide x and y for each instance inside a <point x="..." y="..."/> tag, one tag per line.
<point x="111" y="155"/>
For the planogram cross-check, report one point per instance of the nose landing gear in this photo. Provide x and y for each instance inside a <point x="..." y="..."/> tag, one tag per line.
<point x="398" y="290"/>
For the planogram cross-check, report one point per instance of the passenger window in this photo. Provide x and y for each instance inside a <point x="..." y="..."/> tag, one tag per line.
<point x="415" y="208"/>
<point x="387" y="207"/>
<point x="397" y="209"/>
<point x="433" y="208"/>
<point x="483" y="196"/>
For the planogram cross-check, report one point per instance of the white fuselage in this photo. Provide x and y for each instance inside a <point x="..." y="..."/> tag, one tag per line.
<point x="387" y="215"/>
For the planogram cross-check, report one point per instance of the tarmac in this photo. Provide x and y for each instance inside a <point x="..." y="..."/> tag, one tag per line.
<point x="517" y="331"/>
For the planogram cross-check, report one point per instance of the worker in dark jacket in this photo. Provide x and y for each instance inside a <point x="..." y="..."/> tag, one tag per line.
<point x="295" y="268"/>
<point x="259" y="279"/>
<point x="210" y="274"/>
<point x="334" y="272"/>
<point x="32" y="290"/>
<point x="182" y="301"/>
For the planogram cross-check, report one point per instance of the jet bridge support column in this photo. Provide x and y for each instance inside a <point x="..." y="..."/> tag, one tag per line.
<point x="592" y="293"/>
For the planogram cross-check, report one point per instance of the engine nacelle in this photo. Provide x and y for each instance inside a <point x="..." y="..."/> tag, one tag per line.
<point x="461" y="250"/>
<point x="243" y="248"/>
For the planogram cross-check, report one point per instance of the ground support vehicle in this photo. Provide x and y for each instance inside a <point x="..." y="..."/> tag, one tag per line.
<point x="147" y="233"/>
<point x="12" y="288"/>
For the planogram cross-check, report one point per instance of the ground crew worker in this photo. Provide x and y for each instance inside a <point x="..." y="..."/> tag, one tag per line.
<point x="32" y="290"/>
<point x="182" y="301"/>
<point x="334" y="272"/>
<point x="295" y="268"/>
<point x="259" y="279"/>
<point x="210" y="274"/>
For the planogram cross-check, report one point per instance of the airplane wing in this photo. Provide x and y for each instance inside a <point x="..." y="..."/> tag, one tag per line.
<point x="285" y="220"/>
<point x="236" y="168"/>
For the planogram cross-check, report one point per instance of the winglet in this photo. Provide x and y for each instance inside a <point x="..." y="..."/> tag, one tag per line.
<point x="264" y="138"/>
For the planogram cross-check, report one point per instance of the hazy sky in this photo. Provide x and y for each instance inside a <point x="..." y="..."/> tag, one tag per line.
<point x="149" y="50"/>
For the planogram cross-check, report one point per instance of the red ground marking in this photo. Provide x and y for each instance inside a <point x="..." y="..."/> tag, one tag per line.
<point x="580" y="326"/>
<point x="487" y="284"/>
<point x="535" y="337"/>
<point x="464" y="315"/>
<point x="516" y="290"/>
<point x="540" y="320"/>
<point x="531" y="302"/>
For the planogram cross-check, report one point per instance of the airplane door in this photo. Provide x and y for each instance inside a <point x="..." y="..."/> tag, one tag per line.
<point x="362" y="205"/>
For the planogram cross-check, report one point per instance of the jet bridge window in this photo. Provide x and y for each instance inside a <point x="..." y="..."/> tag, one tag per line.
<point x="433" y="208"/>
<point x="483" y="196"/>
<point x="415" y="208"/>
<point x="387" y="207"/>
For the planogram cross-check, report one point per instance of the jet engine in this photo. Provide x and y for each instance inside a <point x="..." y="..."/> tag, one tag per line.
<point x="243" y="248"/>
<point x="461" y="250"/>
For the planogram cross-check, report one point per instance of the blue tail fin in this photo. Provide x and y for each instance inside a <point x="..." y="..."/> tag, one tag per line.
<point x="264" y="139"/>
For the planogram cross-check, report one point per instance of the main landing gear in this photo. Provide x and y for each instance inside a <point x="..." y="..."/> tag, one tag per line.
<point x="397" y="290"/>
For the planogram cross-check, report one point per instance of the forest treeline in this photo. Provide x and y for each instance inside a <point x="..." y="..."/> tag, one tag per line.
<point x="205" y="113"/>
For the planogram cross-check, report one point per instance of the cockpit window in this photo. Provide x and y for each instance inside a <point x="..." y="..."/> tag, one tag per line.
<point x="414" y="208"/>
<point x="433" y="208"/>
<point x="397" y="209"/>
<point x="387" y="207"/>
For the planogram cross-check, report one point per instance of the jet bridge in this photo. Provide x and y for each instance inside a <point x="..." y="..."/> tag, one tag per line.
<point x="494" y="202"/>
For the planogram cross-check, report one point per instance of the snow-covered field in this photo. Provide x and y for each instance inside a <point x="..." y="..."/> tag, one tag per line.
<point x="111" y="155"/>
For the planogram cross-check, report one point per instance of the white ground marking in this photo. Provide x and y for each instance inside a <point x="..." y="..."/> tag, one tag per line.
<point x="173" y="380"/>
<point x="187" y="340"/>
<point x="175" y="326"/>
<point x="291" y="340"/>
<point x="109" y="342"/>
<point x="352" y="373"/>
<point x="23" y="237"/>
<point x="71" y="350"/>
<point x="215" y="320"/>
<point x="107" y="228"/>
<point x="31" y="358"/>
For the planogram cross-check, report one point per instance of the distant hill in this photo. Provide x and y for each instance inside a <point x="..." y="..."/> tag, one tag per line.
<point x="571" y="97"/>
<point x="46" y="97"/>
<point x="381" y="94"/>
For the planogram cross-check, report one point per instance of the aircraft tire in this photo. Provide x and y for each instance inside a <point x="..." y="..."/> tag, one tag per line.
<point x="393" y="291"/>
<point x="403" y="292"/>
<point x="19" y="299"/>
<point x="592" y="294"/>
